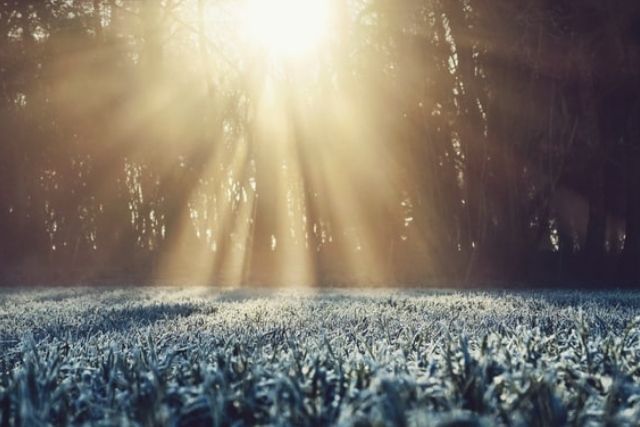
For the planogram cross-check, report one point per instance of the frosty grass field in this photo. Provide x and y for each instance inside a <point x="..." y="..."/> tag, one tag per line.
<point x="188" y="357"/>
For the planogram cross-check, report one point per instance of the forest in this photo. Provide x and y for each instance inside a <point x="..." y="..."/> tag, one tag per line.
<point x="421" y="141"/>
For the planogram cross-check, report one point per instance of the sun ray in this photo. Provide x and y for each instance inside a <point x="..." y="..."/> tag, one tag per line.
<point x="286" y="29"/>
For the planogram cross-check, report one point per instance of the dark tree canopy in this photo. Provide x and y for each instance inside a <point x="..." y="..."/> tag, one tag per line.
<point x="464" y="141"/>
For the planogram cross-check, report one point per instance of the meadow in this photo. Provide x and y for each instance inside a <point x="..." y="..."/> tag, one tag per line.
<point x="201" y="357"/>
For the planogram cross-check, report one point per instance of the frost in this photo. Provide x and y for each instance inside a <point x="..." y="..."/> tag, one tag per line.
<point x="166" y="356"/>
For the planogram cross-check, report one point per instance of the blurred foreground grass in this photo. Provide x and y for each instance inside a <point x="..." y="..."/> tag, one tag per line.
<point x="195" y="356"/>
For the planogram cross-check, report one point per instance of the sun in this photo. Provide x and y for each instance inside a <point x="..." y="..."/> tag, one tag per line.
<point x="286" y="28"/>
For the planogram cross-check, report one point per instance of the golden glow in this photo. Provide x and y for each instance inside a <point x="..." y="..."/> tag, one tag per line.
<point x="273" y="181"/>
<point x="286" y="28"/>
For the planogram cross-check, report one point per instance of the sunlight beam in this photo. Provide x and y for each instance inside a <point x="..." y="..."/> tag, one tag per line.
<point x="286" y="28"/>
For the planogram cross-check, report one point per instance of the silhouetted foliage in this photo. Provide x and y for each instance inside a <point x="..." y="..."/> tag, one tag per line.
<point x="130" y="145"/>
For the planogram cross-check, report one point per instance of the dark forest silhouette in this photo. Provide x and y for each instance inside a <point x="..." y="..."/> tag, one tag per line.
<point x="496" y="141"/>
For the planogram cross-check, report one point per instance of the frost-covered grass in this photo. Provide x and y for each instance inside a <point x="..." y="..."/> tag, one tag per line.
<point x="202" y="357"/>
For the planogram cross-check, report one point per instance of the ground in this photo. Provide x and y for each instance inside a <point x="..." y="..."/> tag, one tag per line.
<point x="194" y="356"/>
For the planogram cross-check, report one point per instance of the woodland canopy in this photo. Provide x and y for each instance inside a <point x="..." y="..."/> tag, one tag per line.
<point x="402" y="142"/>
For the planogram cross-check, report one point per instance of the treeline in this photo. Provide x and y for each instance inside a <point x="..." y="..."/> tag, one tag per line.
<point x="448" y="141"/>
